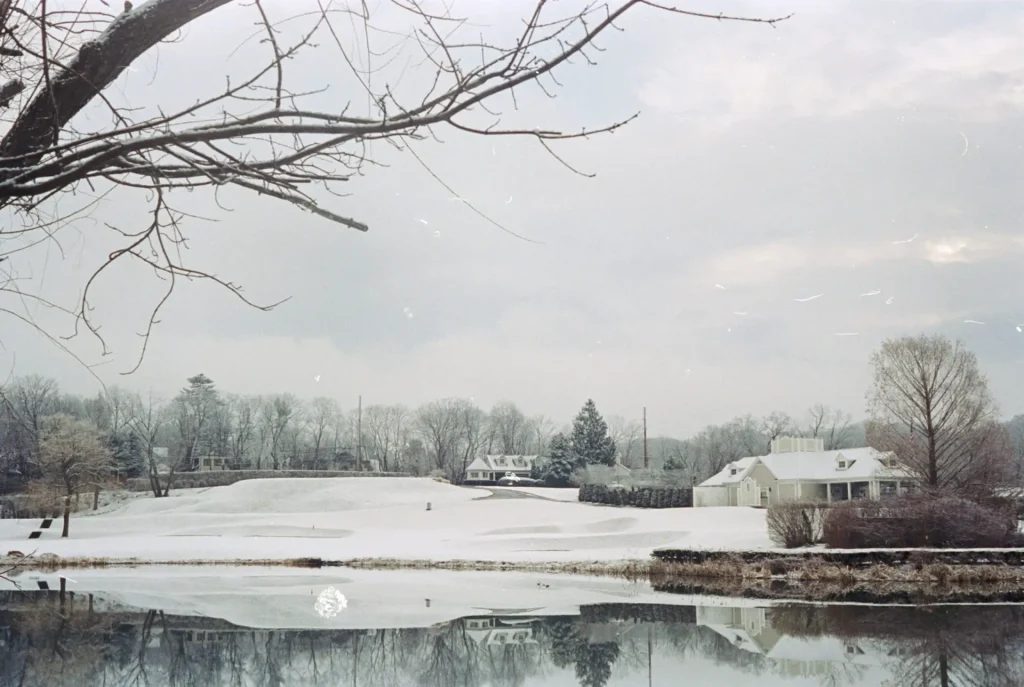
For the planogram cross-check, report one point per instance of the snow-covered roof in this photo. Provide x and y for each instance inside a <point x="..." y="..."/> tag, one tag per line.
<point x="815" y="466"/>
<point x="848" y="464"/>
<point x="502" y="463"/>
<point x="726" y="476"/>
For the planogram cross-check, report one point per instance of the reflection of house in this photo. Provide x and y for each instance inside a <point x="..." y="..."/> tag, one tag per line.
<point x="493" y="468"/>
<point x="798" y="469"/>
<point x="495" y="631"/>
<point x="750" y="629"/>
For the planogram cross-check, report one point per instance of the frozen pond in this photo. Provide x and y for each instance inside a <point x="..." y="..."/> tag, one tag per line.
<point x="275" y="626"/>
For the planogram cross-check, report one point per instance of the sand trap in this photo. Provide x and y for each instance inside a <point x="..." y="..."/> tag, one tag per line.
<point x="610" y="526"/>
<point x="263" y="531"/>
<point x="540" y="529"/>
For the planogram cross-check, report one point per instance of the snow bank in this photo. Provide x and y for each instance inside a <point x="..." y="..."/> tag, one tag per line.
<point x="349" y="518"/>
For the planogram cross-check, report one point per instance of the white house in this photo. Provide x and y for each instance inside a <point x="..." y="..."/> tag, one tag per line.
<point x="492" y="468"/>
<point x="799" y="469"/>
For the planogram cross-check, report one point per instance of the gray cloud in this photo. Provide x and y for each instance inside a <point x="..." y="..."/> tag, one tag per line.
<point x="778" y="176"/>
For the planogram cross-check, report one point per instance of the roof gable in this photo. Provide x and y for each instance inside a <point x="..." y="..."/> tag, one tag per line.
<point x="857" y="464"/>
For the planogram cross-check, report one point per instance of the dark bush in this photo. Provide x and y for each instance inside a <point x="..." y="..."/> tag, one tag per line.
<point x="796" y="524"/>
<point x="638" y="497"/>
<point x="920" y="521"/>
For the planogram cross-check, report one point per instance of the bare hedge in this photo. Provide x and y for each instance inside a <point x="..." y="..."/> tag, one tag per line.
<point x="222" y="478"/>
<point x="920" y="521"/>
<point x="796" y="524"/>
<point x="638" y="497"/>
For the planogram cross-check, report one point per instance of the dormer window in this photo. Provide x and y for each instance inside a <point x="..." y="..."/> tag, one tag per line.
<point x="733" y="470"/>
<point x="841" y="464"/>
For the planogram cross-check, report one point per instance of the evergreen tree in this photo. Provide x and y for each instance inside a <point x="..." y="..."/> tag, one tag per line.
<point x="594" y="663"/>
<point x="126" y="447"/>
<point x="560" y="463"/>
<point x="590" y="442"/>
<point x="566" y="642"/>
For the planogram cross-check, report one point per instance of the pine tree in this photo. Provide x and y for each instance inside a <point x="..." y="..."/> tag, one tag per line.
<point x="594" y="663"/>
<point x="566" y="642"/>
<point x="590" y="442"/>
<point x="560" y="464"/>
<point x="127" y="450"/>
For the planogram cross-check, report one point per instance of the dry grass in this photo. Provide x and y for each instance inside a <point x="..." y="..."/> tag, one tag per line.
<point x="805" y="578"/>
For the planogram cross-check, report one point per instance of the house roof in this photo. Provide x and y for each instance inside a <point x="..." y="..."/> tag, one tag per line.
<point x="490" y="462"/>
<point x="816" y="466"/>
<point x="724" y="476"/>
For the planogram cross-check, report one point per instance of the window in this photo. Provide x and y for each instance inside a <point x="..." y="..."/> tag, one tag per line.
<point x="732" y="471"/>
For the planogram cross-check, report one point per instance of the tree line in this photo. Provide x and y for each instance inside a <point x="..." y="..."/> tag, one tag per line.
<point x="930" y="405"/>
<point x="281" y="431"/>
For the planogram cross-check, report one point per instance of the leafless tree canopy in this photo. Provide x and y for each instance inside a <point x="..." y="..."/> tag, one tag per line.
<point x="258" y="133"/>
<point x="72" y="459"/>
<point x="831" y="426"/>
<point x="930" y="405"/>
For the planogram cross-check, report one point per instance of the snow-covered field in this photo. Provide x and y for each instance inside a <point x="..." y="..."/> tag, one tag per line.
<point x="349" y="518"/>
<point x="284" y="598"/>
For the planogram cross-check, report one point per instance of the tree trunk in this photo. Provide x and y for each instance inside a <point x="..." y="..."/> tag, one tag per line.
<point x="67" y="517"/>
<point x="96" y="498"/>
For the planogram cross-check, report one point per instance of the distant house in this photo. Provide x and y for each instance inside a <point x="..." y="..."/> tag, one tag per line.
<point x="489" y="469"/>
<point x="799" y="469"/>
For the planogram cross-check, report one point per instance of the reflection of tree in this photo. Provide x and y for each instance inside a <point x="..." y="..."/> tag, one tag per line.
<point x="50" y="644"/>
<point x="594" y="663"/>
<point x="565" y="641"/>
<point x="931" y="646"/>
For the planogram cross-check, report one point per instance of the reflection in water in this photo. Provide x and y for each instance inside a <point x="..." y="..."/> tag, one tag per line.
<point x="47" y="641"/>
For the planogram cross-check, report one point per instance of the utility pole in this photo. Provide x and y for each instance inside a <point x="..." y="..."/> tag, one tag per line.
<point x="645" y="438"/>
<point x="359" y="436"/>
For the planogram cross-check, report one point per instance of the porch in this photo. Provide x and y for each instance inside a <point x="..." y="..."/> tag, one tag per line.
<point x="843" y="490"/>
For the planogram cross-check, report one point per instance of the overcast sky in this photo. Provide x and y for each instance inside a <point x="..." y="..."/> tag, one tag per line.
<point x="787" y="199"/>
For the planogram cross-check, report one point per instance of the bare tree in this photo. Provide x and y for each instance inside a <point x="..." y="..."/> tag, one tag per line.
<point x="322" y="414"/>
<point x="627" y="435"/>
<point x="831" y="426"/>
<point x="452" y="429"/>
<point x="243" y="410"/>
<point x="508" y="429"/>
<point x="27" y="400"/>
<point x="72" y="458"/>
<point x="275" y="415"/>
<point x="775" y="425"/>
<point x="261" y="133"/>
<point x="148" y="417"/>
<point x="386" y="427"/>
<point x="542" y="429"/>
<point x="930" y="405"/>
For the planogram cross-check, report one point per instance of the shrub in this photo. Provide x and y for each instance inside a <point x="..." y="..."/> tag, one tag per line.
<point x="796" y="524"/>
<point x="637" y="497"/>
<point x="920" y="521"/>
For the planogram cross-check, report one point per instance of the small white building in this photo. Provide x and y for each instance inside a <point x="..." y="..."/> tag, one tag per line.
<point x="798" y="469"/>
<point x="489" y="469"/>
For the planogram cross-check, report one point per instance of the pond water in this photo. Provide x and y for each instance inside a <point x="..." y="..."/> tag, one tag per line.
<point x="276" y="628"/>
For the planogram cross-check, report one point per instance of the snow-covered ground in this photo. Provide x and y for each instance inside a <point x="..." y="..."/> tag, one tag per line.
<point x="284" y="598"/>
<point x="349" y="518"/>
